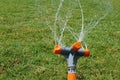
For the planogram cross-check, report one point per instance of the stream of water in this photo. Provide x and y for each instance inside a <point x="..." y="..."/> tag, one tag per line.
<point x="71" y="12"/>
<point x="84" y="31"/>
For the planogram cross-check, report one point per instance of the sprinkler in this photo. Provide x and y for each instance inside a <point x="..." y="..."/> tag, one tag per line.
<point x="72" y="54"/>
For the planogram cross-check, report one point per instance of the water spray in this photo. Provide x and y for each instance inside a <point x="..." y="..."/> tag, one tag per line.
<point x="72" y="54"/>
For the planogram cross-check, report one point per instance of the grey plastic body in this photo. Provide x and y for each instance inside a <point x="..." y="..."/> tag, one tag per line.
<point x="72" y="57"/>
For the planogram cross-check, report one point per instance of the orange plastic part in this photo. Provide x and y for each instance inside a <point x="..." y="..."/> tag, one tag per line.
<point x="86" y="52"/>
<point x="72" y="76"/>
<point x="76" y="46"/>
<point x="57" y="49"/>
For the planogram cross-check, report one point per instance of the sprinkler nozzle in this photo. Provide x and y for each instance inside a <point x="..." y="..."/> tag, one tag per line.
<point x="76" y="46"/>
<point x="86" y="52"/>
<point x="57" y="49"/>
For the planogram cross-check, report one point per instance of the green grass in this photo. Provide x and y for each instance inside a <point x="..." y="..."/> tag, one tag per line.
<point x="26" y="42"/>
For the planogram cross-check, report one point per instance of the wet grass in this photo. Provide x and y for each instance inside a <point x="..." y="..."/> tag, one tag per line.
<point x="26" y="43"/>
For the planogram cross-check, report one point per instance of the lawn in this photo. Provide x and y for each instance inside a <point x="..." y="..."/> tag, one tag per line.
<point x="26" y="40"/>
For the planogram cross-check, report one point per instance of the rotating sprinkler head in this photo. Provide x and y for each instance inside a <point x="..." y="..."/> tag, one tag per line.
<point x="72" y="54"/>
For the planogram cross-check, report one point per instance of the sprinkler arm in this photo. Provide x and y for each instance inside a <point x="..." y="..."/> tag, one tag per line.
<point x="72" y="55"/>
